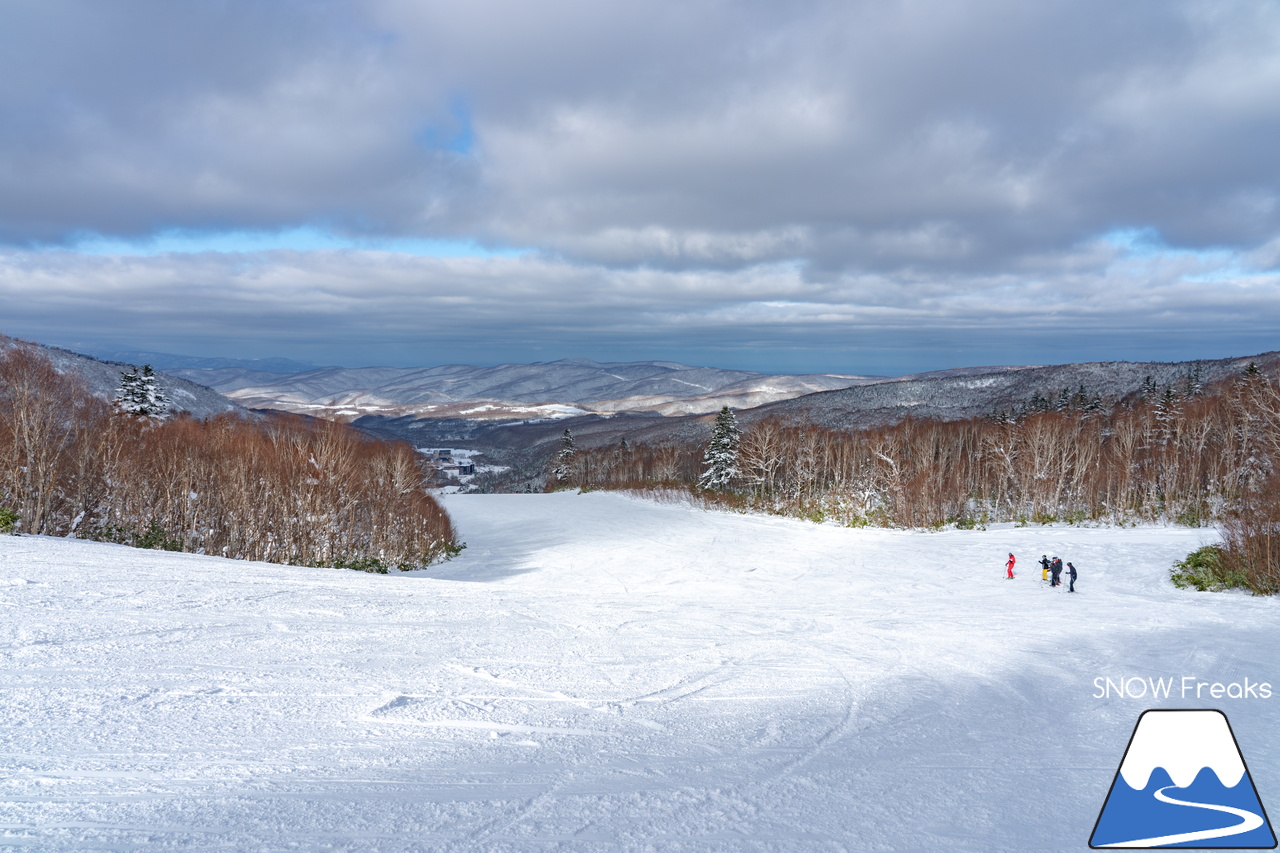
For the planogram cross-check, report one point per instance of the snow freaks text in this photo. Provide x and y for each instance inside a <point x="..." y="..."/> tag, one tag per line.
<point x="1186" y="687"/>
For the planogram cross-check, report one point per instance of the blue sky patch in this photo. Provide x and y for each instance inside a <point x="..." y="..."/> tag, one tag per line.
<point x="301" y="239"/>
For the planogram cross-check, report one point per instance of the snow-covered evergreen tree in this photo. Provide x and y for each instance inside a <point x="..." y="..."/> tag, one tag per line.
<point x="721" y="459"/>
<point x="1148" y="389"/>
<point x="1194" y="381"/>
<point x="140" y="394"/>
<point x="1167" y="413"/>
<point x="562" y="469"/>
<point x="1038" y="404"/>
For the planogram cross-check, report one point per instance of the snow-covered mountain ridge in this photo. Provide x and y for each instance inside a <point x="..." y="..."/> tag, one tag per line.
<point x="661" y="387"/>
<point x="951" y="395"/>
<point x="576" y="387"/>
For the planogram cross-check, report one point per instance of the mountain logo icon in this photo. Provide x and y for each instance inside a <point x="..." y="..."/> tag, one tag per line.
<point x="1183" y="783"/>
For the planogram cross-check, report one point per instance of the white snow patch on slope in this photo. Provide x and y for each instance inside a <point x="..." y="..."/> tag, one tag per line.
<point x="601" y="673"/>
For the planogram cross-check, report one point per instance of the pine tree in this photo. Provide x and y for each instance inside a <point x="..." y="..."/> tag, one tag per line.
<point x="721" y="458"/>
<point x="1194" y="380"/>
<point x="562" y="469"/>
<point x="1148" y="388"/>
<point x="139" y="393"/>
<point x="1253" y="467"/>
<point x="1080" y="400"/>
<point x="1168" y="411"/>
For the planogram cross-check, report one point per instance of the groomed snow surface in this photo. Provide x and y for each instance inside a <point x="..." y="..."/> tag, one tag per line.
<point x="598" y="672"/>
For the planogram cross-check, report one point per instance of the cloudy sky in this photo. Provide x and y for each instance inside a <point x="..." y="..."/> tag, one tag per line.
<point x="859" y="187"/>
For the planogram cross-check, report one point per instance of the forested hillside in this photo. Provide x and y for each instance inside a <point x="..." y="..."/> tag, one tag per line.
<point x="1187" y="453"/>
<point x="282" y="489"/>
<point x="101" y="378"/>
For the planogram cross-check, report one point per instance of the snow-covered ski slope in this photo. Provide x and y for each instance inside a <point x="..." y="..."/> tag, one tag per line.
<point x="597" y="672"/>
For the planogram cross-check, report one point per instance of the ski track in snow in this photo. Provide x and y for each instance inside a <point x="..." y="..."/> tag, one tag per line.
<point x="597" y="672"/>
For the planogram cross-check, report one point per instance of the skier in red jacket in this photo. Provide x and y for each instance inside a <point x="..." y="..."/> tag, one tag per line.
<point x="1009" y="566"/>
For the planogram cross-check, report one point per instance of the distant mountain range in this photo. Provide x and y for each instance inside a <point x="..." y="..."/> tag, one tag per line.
<point x="958" y="394"/>
<point x="970" y="392"/>
<point x="587" y="391"/>
<point x="168" y="361"/>
<point x="867" y="402"/>
<point x="512" y="391"/>
<point x="519" y="408"/>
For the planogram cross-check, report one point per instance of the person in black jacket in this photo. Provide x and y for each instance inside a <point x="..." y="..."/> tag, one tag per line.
<point x="1071" y="573"/>
<point x="1055" y="568"/>
<point x="1044" y="567"/>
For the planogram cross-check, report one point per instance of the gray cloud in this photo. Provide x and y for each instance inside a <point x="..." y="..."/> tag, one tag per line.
<point x="837" y="176"/>
<point x="377" y="307"/>
<point x="856" y="134"/>
<point x="142" y="116"/>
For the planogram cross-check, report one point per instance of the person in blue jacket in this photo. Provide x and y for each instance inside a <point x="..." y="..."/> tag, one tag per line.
<point x="1071" y="573"/>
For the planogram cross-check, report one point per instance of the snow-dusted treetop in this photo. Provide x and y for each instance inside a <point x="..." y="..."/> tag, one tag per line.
<point x="140" y="394"/>
<point x="721" y="457"/>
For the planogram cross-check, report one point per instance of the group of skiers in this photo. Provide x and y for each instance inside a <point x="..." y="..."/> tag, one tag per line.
<point x="1050" y="570"/>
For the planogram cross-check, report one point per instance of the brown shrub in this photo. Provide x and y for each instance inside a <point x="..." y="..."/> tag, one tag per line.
<point x="1251" y="538"/>
<point x="281" y="489"/>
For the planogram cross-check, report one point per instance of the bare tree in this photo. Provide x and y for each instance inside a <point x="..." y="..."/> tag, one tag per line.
<point x="39" y="411"/>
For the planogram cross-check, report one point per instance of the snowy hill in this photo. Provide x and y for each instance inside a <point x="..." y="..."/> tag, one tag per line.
<point x="103" y="379"/>
<point x="509" y="389"/>
<point x="577" y="387"/>
<point x="974" y="392"/>
<point x="959" y="393"/>
<point x="602" y="403"/>
<point x="945" y="395"/>
<point x="599" y="673"/>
